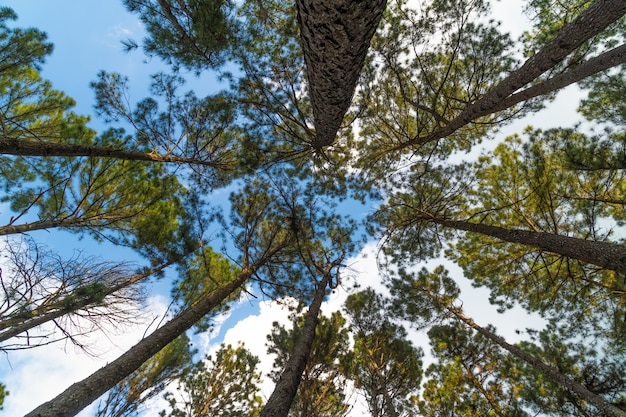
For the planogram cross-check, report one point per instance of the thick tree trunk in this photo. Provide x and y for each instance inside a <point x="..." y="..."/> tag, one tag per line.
<point x="603" y="254"/>
<point x="25" y="147"/>
<point x="15" y="327"/>
<point x="279" y="403"/>
<point x="81" y="394"/>
<point x="335" y="37"/>
<point x="67" y="222"/>
<point x="590" y="23"/>
<point x="553" y="374"/>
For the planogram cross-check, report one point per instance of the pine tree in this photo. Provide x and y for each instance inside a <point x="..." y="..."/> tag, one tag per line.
<point x="384" y="364"/>
<point x="427" y="298"/>
<point x="148" y="381"/>
<point x="224" y="385"/>
<point x="528" y="221"/>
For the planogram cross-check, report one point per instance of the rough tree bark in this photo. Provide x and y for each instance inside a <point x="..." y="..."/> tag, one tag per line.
<point x="279" y="403"/>
<point x="602" y="62"/>
<point x="335" y="37"/>
<point x="49" y="224"/>
<point x="82" y="393"/>
<point x="552" y="373"/>
<point x="603" y="254"/>
<point x="590" y="23"/>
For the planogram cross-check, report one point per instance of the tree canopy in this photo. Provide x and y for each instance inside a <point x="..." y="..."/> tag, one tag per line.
<point x="332" y="124"/>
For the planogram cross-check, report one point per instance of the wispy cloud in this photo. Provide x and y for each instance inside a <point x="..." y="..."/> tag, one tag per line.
<point x="119" y="32"/>
<point x="37" y="375"/>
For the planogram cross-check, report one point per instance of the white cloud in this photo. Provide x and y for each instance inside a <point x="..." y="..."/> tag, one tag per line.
<point x="253" y="331"/>
<point x="119" y="31"/>
<point x="37" y="375"/>
<point x="511" y="13"/>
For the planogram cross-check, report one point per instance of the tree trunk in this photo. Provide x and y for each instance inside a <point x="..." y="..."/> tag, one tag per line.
<point x="588" y="24"/>
<point x="81" y="394"/>
<point x="603" y="254"/>
<point x="335" y="38"/>
<point x="495" y="407"/>
<point x="602" y="62"/>
<point x="387" y="408"/>
<point x="25" y="147"/>
<point x="552" y="373"/>
<point x="279" y="403"/>
<point x="49" y="224"/>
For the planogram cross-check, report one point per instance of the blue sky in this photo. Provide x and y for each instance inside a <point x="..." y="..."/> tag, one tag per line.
<point x="87" y="35"/>
<point x="87" y="38"/>
<point x="83" y="45"/>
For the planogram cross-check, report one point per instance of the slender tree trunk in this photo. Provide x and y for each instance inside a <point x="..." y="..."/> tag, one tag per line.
<point x="335" y="37"/>
<point x="552" y="373"/>
<point x="26" y="147"/>
<point x="81" y="394"/>
<point x="387" y="408"/>
<point x="591" y="22"/>
<point x="598" y="200"/>
<point x="15" y="327"/>
<point x="279" y="403"/>
<point x="602" y="62"/>
<point x="64" y="222"/>
<point x="603" y="254"/>
<point x="479" y="386"/>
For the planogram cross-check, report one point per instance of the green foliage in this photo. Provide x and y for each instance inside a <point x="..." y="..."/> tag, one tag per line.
<point x="422" y="297"/>
<point x="133" y="204"/>
<point x="225" y="385"/>
<point x="407" y="96"/>
<point x="594" y="364"/>
<point x="29" y="44"/>
<point x="531" y="187"/>
<point x="130" y="203"/>
<point x="383" y="364"/>
<point x="29" y="107"/>
<point x="604" y="102"/>
<point x="271" y="89"/>
<point x="524" y="184"/>
<point x="277" y="210"/>
<point x="321" y="390"/>
<point x="191" y="34"/>
<point x="172" y="124"/>
<point x="419" y="194"/>
<point x="467" y="379"/>
<point x="91" y="294"/>
<point x="129" y="395"/>
<point x="3" y="394"/>
<point x="205" y="273"/>
<point x="259" y="226"/>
